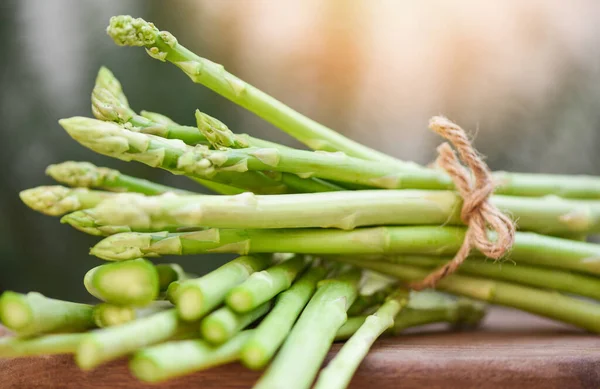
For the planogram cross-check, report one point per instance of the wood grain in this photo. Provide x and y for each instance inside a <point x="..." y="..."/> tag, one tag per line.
<point x="512" y="350"/>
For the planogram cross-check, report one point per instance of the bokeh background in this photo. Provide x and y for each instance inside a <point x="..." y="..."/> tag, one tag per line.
<point x="522" y="76"/>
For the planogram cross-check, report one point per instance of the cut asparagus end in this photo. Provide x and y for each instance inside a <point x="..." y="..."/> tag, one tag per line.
<point x="81" y="174"/>
<point x="107" y="315"/>
<point x="128" y="31"/>
<point x="15" y="312"/>
<point x="189" y="301"/>
<point x="87" y="353"/>
<point x="172" y="295"/>
<point x="253" y="355"/>
<point x="132" y="282"/>
<point x="144" y="368"/>
<point x="52" y="200"/>
<point x="240" y="300"/>
<point x="217" y="133"/>
<point x="214" y="331"/>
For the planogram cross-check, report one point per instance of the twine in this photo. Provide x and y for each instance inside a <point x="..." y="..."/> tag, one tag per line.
<point x="475" y="185"/>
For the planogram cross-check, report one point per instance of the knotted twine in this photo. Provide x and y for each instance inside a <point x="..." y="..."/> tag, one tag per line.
<point x="475" y="185"/>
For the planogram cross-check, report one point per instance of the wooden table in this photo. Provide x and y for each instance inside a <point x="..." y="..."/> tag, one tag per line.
<point x="512" y="350"/>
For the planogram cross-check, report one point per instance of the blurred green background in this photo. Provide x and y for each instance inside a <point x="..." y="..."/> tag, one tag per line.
<point x="522" y="77"/>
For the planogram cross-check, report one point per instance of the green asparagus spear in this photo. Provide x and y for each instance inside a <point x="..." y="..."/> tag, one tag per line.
<point x="132" y="282"/>
<point x="197" y="297"/>
<point x="272" y="331"/>
<point x="13" y="347"/>
<point x="153" y="116"/>
<point x="127" y="31"/>
<point x="339" y="371"/>
<point x="262" y="286"/>
<point x="366" y="301"/>
<point x="345" y="210"/>
<point x="529" y="248"/>
<point x="107" y="105"/>
<point x="300" y="357"/>
<point x="174" y="359"/>
<point x="222" y="324"/>
<point x="541" y="277"/>
<point x="110" y="139"/>
<point x="168" y="273"/>
<point x="460" y="313"/>
<point x="57" y="200"/>
<point x="32" y="314"/>
<point x="113" y="342"/>
<point x="550" y="304"/>
<point x="87" y="175"/>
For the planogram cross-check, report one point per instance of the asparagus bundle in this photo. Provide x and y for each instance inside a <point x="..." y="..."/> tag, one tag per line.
<point x="306" y="225"/>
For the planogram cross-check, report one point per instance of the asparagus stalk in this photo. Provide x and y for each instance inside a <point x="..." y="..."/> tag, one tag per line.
<point x="32" y="314"/>
<point x="113" y="342"/>
<point x="107" y="105"/>
<point x="110" y="139"/>
<point x="152" y="116"/>
<point x="57" y="200"/>
<point x="345" y="210"/>
<point x="174" y="359"/>
<point x="127" y="31"/>
<point x="132" y="282"/>
<point x="340" y="370"/>
<point x="87" y="175"/>
<point x="529" y="248"/>
<point x="460" y="313"/>
<point x="13" y="347"/>
<point x="168" y="273"/>
<point x="560" y="280"/>
<point x="300" y="357"/>
<point x="196" y="297"/>
<point x="365" y="301"/>
<point x="262" y="286"/>
<point x="108" y="315"/>
<point x="274" y="328"/>
<point x="550" y="304"/>
<point x="224" y="323"/>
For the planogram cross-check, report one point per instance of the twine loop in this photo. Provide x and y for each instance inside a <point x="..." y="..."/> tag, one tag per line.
<point x="474" y="183"/>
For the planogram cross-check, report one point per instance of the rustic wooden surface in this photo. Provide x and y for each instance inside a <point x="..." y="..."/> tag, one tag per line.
<point x="512" y="350"/>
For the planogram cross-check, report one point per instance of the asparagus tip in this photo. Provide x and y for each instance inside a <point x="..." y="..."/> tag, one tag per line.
<point x="80" y="174"/>
<point x="105" y="138"/>
<point x="81" y="221"/>
<point x="217" y="133"/>
<point x="128" y="31"/>
<point x="53" y="200"/>
<point x="119" y="247"/>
